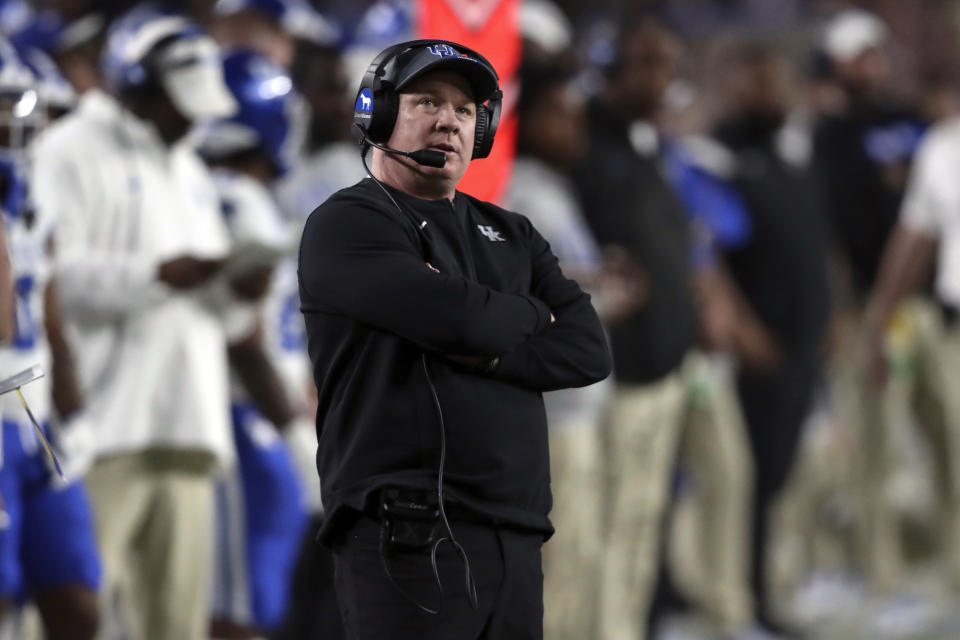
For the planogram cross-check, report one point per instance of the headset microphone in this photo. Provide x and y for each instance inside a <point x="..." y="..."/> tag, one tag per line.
<point x="425" y="157"/>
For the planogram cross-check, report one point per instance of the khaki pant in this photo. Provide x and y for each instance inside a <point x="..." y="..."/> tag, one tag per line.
<point x="572" y="557"/>
<point x="811" y="522"/>
<point x="941" y="410"/>
<point x="710" y="532"/>
<point x="153" y="514"/>
<point x="643" y="430"/>
<point x="923" y="390"/>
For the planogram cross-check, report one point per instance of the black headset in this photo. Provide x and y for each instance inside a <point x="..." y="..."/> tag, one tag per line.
<point x="377" y="119"/>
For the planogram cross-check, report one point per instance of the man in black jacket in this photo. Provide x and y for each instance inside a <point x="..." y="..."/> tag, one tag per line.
<point x="434" y="322"/>
<point x="630" y="204"/>
<point x="781" y="272"/>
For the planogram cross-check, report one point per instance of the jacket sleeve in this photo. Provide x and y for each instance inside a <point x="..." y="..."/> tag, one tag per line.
<point x="571" y="352"/>
<point x="364" y="263"/>
<point x="96" y="281"/>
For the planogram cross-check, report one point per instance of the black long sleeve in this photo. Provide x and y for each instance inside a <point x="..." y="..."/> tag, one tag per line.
<point x="363" y="262"/>
<point x="571" y="352"/>
<point x="373" y="308"/>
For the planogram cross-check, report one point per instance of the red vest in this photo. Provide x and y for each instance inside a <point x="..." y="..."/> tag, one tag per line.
<point x="491" y="27"/>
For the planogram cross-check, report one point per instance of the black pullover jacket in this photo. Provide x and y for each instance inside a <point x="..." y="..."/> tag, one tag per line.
<point x="629" y="202"/>
<point x="373" y="307"/>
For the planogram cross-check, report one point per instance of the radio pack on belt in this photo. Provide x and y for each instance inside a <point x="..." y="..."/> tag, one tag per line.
<point x="410" y="517"/>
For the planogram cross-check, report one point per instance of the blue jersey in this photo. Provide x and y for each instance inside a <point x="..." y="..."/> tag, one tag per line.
<point x="260" y="232"/>
<point x="261" y="512"/>
<point x="27" y="239"/>
<point x="48" y="538"/>
<point x="260" y="523"/>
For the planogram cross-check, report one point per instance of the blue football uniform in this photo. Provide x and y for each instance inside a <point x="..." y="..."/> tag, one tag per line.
<point x="261" y="509"/>
<point x="47" y="539"/>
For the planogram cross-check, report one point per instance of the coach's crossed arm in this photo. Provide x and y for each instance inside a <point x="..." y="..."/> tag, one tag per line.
<point x="363" y="263"/>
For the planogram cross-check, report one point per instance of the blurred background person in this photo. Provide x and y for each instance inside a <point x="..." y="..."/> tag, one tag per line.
<point x="864" y="146"/>
<point x="270" y="27"/>
<point x="262" y="511"/>
<point x="324" y="161"/>
<point x="781" y="273"/>
<point x="138" y="228"/>
<point x="694" y="399"/>
<point x="71" y="35"/>
<point x="48" y="550"/>
<point x="327" y="161"/>
<point x="552" y="125"/>
<point x="924" y="236"/>
<point x="713" y="480"/>
<point x="863" y="153"/>
<point x="628" y="203"/>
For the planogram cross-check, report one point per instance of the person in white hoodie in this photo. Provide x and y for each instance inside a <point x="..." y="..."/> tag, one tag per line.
<point x="138" y="232"/>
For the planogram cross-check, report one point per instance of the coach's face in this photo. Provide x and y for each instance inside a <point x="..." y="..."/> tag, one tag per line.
<point x="437" y="111"/>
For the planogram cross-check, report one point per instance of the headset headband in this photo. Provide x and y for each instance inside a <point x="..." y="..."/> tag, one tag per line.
<point x="374" y="76"/>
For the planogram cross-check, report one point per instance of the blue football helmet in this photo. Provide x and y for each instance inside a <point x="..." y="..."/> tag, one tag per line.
<point x="20" y="117"/>
<point x="30" y="27"/>
<point x="126" y="62"/>
<point x="34" y="33"/>
<point x="15" y="16"/>
<point x="267" y="114"/>
<point x="56" y="94"/>
<point x="19" y="112"/>
<point x="385" y="23"/>
<point x="151" y="46"/>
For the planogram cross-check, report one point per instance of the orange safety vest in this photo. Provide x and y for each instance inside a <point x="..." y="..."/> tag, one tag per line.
<point x="492" y="28"/>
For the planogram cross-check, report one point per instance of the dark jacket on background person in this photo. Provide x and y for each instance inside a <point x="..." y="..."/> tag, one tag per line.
<point x="373" y="307"/>
<point x="782" y="268"/>
<point x="628" y="202"/>
<point x="781" y="271"/>
<point x="863" y="157"/>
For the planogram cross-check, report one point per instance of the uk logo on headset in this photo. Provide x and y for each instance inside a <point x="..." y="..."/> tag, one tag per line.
<point x="442" y="50"/>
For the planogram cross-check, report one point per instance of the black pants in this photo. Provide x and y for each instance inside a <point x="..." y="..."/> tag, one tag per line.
<point x="507" y="571"/>
<point x="775" y="407"/>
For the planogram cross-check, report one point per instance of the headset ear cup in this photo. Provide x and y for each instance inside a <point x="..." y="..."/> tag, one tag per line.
<point x="488" y="117"/>
<point x="480" y="132"/>
<point x="386" y="105"/>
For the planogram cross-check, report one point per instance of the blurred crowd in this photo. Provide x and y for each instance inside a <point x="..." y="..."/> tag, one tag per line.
<point x="760" y="197"/>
